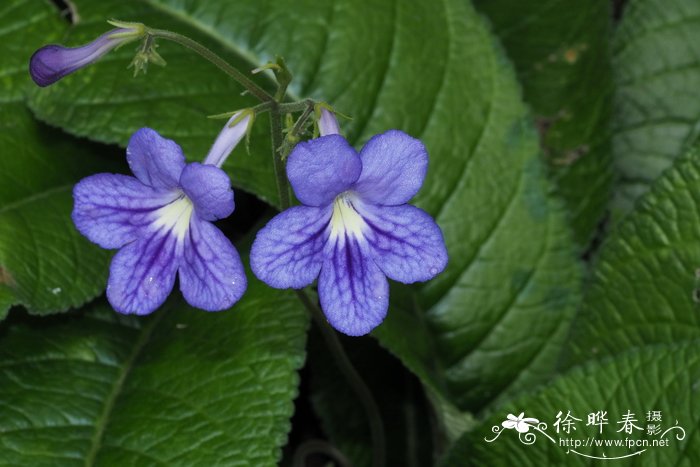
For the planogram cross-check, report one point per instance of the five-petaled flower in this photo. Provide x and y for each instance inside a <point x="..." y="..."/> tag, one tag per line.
<point x="161" y="221"/>
<point x="520" y="423"/>
<point x="52" y="62"/>
<point x="354" y="228"/>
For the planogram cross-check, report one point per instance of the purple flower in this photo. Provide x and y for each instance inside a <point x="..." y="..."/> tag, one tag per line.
<point x="354" y="228"/>
<point x="52" y="62"/>
<point x="161" y="221"/>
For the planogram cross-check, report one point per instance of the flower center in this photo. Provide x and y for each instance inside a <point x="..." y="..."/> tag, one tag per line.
<point x="175" y="217"/>
<point x="345" y="219"/>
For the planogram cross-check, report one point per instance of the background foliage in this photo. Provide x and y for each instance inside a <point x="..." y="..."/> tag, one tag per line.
<point x="563" y="174"/>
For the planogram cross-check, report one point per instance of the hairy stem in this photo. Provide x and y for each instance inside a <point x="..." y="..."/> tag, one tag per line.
<point x="299" y="125"/>
<point x="299" y="106"/>
<point x="321" y="447"/>
<point x="277" y="160"/>
<point x="376" y="425"/>
<point x="222" y="64"/>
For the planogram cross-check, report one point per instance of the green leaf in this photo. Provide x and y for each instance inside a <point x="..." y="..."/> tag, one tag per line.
<point x="431" y="71"/>
<point x="656" y="56"/>
<point x="45" y="264"/>
<point x="561" y="53"/>
<point x="183" y="387"/>
<point x="656" y="378"/>
<point x="645" y="280"/>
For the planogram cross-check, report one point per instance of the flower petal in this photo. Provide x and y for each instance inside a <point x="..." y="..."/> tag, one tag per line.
<point x="353" y="291"/>
<point x="393" y="168"/>
<point x="110" y="209"/>
<point x="156" y="161"/>
<point x="320" y="169"/>
<point x="509" y="424"/>
<point x="406" y="242"/>
<point x="211" y="273"/>
<point x="142" y="273"/>
<point x="209" y="188"/>
<point x="288" y="251"/>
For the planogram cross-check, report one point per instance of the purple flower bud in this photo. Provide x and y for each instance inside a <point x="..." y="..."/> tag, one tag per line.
<point x="327" y="123"/>
<point x="52" y="62"/>
<point x="233" y="132"/>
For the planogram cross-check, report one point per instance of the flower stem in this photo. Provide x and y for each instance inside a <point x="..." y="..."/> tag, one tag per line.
<point x="376" y="425"/>
<point x="277" y="160"/>
<point x="299" y="106"/>
<point x="299" y="125"/>
<point x="322" y="447"/>
<point x="223" y="65"/>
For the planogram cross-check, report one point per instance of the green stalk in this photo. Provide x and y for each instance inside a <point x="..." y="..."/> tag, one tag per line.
<point x="222" y="64"/>
<point x="374" y="418"/>
<point x="277" y="161"/>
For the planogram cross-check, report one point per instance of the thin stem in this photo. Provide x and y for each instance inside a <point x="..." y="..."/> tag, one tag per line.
<point x="299" y="106"/>
<point x="223" y="65"/>
<point x="322" y="447"/>
<point x="301" y="121"/>
<point x="277" y="161"/>
<point x="374" y="418"/>
<point x="281" y="92"/>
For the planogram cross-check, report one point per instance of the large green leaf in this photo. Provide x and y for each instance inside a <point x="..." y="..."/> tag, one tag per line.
<point x="656" y="56"/>
<point x="560" y="51"/>
<point x="45" y="264"/>
<point x="645" y="281"/>
<point x="656" y="378"/>
<point x="431" y="71"/>
<point x="184" y="387"/>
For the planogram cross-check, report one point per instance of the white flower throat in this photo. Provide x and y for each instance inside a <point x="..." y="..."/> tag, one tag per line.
<point x="345" y="220"/>
<point x="175" y="217"/>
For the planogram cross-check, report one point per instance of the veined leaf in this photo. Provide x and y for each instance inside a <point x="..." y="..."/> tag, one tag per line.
<point x="645" y="283"/>
<point x="658" y="378"/>
<point x="45" y="264"/>
<point x="656" y="58"/>
<point x="561" y="53"/>
<point x="183" y="387"/>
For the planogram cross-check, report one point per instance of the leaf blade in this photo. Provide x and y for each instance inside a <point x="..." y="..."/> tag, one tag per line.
<point x="175" y="389"/>
<point x="561" y="54"/>
<point x="45" y="265"/>
<point x="643" y="287"/>
<point x="655" y="61"/>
